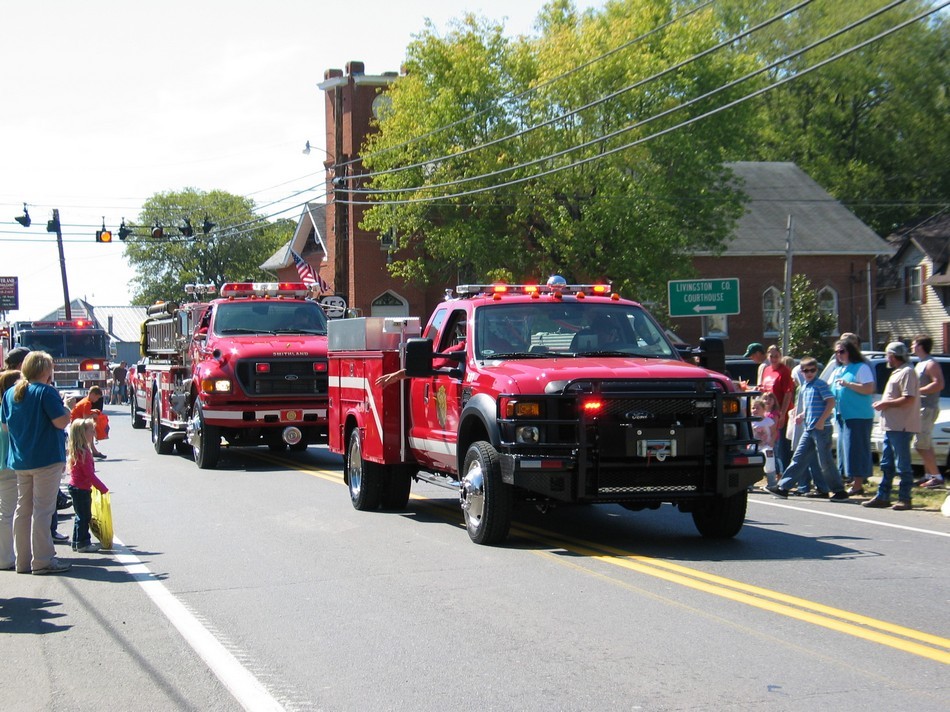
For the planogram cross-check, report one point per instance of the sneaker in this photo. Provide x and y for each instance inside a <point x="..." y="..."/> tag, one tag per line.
<point x="902" y="505"/>
<point x="55" y="567"/>
<point x="777" y="491"/>
<point x="89" y="548"/>
<point x="100" y="455"/>
<point x="840" y="496"/>
<point x="62" y="501"/>
<point x="877" y="503"/>
<point x="815" y="494"/>
<point x="61" y="538"/>
<point x="855" y="491"/>
<point x="935" y="482"/>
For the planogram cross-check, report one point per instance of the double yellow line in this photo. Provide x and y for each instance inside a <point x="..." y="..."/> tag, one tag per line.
<point x="908" y="640"/>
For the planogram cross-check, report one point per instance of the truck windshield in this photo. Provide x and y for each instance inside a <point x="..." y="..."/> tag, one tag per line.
<point x="269" y="317"/>
<point x="568" y="329"/>
<point x="66" y="344"/>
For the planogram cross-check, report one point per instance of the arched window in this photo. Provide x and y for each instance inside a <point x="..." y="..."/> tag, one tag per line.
<point x="828" y="305"/>
<point x="772" y="312"/>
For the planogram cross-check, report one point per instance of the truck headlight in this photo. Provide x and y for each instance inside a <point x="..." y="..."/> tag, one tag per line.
<point x="216" y="385"/>
<point x="527" y="435"/>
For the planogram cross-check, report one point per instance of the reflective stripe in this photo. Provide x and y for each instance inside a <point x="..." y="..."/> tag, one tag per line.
<point x="210" y="414"/>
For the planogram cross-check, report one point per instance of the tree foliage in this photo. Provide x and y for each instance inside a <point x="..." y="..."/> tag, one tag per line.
<point x="232" y="251"/>
<point x="581" y="204"/>
<point x="809" y="326"/>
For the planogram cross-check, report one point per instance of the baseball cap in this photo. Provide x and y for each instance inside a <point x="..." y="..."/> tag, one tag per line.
<point x="754" y="348"/>
<point x="898" y="349"/>
<point x="14" y="357"/>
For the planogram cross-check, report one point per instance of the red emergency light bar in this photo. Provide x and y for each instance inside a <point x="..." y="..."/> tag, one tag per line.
<point x="499" y="290"/>
<point x="265" y="289"/>
<point x="67" y="324"/>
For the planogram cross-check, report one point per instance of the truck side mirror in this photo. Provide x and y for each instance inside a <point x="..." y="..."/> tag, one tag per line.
<point x="419" y="358"/>
<point x="712" y="354"/>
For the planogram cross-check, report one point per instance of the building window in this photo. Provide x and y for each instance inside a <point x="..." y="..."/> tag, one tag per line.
<point x="772" y="312"/>
<point x="828" y="305"/>
<point x="716" y="325"/>
<point x="913" y="285"/>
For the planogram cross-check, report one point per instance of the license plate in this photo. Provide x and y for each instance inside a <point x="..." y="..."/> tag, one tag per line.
<point x="91" y="376"/>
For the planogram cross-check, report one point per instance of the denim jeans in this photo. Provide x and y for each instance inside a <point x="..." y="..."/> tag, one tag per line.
<point x="896" y="457"/>
<point x="82" y="505"/>
<point x="814" y="444"/>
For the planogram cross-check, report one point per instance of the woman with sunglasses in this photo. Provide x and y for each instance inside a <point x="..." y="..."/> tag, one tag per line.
<point x="852" y="383"/>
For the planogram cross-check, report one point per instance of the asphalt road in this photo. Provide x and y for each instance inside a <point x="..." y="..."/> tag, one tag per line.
<point x="258" y="586"/>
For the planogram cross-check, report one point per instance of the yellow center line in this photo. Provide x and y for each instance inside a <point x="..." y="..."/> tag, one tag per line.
<point x="871" y="629"/>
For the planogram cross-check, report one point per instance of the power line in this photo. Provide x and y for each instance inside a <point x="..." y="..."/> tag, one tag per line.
<point x="650" y="137"/>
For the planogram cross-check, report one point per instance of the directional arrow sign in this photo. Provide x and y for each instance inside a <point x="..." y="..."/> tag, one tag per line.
<point x="703" y="297"/>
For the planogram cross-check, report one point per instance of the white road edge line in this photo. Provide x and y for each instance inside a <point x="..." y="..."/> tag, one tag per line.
<point x="845" y="516"/>
<point x="245" y="688"/>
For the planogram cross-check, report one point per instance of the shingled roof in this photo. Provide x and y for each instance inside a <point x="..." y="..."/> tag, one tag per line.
<point x="822" y="225"/>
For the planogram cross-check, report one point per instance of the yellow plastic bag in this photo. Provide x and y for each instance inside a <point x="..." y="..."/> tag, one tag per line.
<point x="101" y="524"/>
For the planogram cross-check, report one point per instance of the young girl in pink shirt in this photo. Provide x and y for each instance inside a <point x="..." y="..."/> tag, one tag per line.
<point x="82" y="478"/>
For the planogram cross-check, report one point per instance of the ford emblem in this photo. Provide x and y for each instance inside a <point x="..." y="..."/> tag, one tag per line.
<point x="638" y="415"/>
<point x="290" y="377"/>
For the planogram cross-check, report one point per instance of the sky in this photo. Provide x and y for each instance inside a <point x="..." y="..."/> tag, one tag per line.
<point x="107" y="102"/>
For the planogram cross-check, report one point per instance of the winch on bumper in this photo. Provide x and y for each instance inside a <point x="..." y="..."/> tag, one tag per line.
<point x="630" y="441"/>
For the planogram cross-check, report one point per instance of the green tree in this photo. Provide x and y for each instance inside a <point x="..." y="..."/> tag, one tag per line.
<point x="872" y="128"/>
<point x="231" y="252"/>
<point x="633" y="215"/>
<point x="809" y="327"/>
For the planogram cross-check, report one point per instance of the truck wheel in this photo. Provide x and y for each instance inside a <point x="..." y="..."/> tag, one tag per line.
<point x="364" y="478"/>
<point x="138" y="420"/>
<point x="299" y="447"/>
<point x="486" y="500"/>
<point x="722" y="518"/>
<point x="159" y="431"/>
<point x="396" y="488"/>
<point x="205" y="440"/>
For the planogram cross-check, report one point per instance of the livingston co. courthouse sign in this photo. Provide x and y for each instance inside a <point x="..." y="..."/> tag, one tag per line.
<point x="703" y="297"/>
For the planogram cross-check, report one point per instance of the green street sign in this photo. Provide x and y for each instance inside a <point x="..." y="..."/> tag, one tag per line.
<point x="703" y="297"/>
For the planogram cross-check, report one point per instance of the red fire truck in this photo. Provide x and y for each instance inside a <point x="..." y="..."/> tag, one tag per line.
<point x="542" y="394"/>
<point x="81" y="350"/>
<point x="249" y="367"/>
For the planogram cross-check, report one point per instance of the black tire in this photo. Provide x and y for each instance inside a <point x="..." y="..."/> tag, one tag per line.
<point x="722" y="518"/>
<point x="398" y="483"/>
<point x="299" y="447"/>
<point x="205" y="440"/>
<point x="138" y="420"/>
<point x="486" y="500"/>
<point x="159" y="431"/>
<point x="364" y="479"/>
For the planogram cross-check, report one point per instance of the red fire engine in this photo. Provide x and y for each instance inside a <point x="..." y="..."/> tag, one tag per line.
<point x="80" y="349"/>
<point x="249" y="367"/>
<point x="545" y="394"/>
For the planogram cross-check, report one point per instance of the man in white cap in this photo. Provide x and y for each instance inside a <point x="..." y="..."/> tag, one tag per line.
<point x="900" y="418"/>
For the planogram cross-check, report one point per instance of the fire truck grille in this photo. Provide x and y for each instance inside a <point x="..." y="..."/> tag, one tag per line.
<point x="283" y="378"/>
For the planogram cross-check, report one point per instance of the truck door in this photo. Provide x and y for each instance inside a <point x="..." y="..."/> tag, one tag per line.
<point x="436" y="402"/>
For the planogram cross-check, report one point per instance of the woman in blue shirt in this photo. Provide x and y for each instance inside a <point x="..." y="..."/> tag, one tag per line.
<point x="35" y="417"/>
<point x="852" y="383"/>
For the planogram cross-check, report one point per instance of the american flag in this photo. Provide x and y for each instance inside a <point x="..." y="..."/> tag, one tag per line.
<point x="308" y="274"/>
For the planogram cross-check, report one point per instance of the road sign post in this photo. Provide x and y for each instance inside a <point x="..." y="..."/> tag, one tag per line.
<point x="703" y="297"/>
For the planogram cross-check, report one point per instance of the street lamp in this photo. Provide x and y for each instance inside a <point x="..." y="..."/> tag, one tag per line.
<point x="308" y="147"/>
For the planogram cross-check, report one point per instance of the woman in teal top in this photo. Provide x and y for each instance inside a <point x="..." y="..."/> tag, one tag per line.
<point x="852" y="383"/>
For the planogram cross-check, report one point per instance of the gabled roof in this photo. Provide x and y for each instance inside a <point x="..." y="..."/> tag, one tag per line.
<point x="821" y="224"/>
<point x="932" y="237"/>
<point x="312" y="220"/>
<point x="126" y="321"/>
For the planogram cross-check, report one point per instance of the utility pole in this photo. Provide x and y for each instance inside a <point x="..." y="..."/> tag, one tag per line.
<point x="787" y="307"/>
<point x="54" y="226"/>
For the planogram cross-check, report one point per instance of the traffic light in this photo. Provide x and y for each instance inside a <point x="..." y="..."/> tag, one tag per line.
<point x="187" y="230"/>
<point x="158" y="232"/>
<point x="25" y="220"/>
<point x="124" y="232"/>
<point x="103" y="235"/>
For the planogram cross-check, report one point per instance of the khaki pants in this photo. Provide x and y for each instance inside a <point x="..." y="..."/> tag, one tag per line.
<point x="8" y="497"/>
<point x="36" y="503"/>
